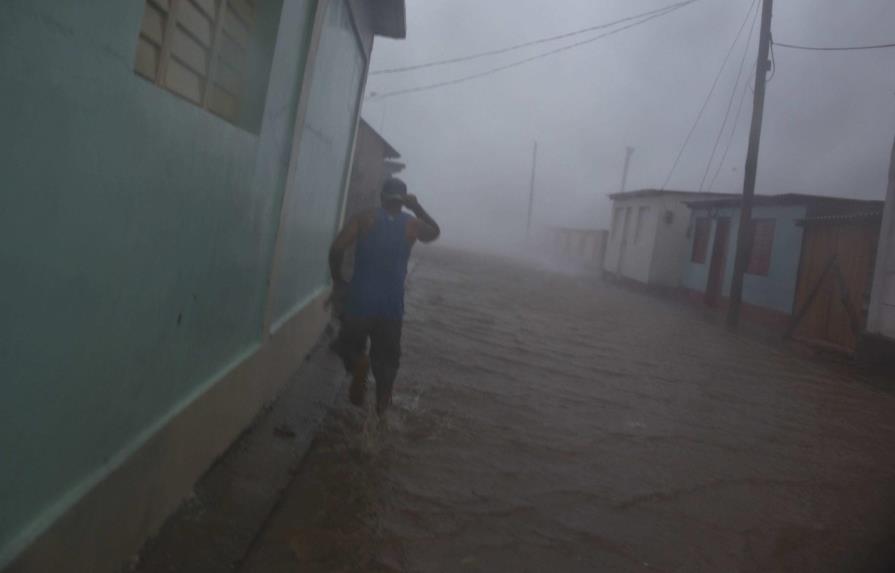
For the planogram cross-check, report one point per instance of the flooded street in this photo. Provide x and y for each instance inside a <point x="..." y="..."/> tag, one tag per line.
<point x="544" y="422"/>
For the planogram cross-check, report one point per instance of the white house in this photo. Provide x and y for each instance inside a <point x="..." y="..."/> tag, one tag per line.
<point x="881" y="316"/>
<point x="649" y="239"/>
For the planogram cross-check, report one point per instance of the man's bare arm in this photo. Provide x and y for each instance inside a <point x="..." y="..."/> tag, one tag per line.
<point x="426" y="229"/>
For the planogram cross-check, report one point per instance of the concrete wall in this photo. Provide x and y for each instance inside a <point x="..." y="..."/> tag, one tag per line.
<point x="138" y="239"/>
<point x="312" y="209"/>
<point x="776" y="291"/>
<point x="629" y="253"/>
<point x="881" y="319"/>
<point x="671" y="243"/>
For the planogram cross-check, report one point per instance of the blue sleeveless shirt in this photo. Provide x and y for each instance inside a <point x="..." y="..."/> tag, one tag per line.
<point x="380" y="268"/>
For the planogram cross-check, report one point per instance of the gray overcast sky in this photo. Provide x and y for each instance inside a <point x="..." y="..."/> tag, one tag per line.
<point x="829" y="121"/>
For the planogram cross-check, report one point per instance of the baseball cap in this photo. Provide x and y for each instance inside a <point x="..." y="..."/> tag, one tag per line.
<point x="393" y="189"/>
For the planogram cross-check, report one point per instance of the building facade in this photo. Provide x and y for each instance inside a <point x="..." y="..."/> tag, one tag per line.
<point x="648" y="238"/>
<point x="174" y="172"/>
<point x="881" y="318"/>
<point x="772" y="275"/>
<point x="375" y="160"/>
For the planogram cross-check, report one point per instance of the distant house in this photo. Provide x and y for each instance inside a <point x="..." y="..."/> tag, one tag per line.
<point x="778" y="266"/>
<point x="375" y="160"/>
<point x="585" y="246"/>
<point x="648" y="238"/>
<point x="881" y="316"/>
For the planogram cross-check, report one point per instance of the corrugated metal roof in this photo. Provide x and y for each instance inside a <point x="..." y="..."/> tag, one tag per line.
<point x="788" y="199"/>
<point x="658" y="192"/>
<point x="868" y="216"/>
<point x="578" y="229"/>
<point x="389" y="18"/>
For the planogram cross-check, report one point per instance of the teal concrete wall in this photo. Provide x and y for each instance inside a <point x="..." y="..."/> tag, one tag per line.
<point x="136" y="238"/>
<point x="776" y="291"/>
<point x="313" y="205"/>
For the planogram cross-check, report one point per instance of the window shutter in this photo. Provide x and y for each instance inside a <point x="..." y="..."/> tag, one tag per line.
<point x="198" y="50"/>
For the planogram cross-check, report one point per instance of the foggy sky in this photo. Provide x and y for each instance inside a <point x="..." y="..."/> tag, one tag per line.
<point x="828" y="129"/>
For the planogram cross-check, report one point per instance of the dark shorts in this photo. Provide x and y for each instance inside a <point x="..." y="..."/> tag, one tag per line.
<point x="384" y="336"/>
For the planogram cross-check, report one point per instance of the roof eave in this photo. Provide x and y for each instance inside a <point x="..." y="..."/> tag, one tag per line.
<point x="394" y="167"/>
<point x="390" y="152"/>
<point x="658" y="192"/>
<point x="390" y="19"/>
<point x="785" y="199"/>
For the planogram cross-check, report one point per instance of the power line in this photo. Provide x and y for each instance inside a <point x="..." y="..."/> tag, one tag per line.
<point x="736" y="125"/>
<point x="833" y="49"/>
<point x="748" y="87"/>
<point x="518" y="63"/>
<point x="773" y="73"/>
<point x="733" y="95"/>
<point x="773" y="62"/>
<point x="539" y="41"/>
<point x="708" y="98"/>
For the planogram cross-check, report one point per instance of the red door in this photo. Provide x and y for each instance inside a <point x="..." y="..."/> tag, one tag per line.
<point x="718" y="262"/>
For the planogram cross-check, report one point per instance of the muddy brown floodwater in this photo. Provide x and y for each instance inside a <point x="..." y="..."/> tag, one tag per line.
<point x="550" y="423"/>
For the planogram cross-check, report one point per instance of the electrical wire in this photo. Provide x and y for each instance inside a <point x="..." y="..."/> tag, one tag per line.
<point x="539" y="41"/>
<point x="518" y="63"/>
<point x="748" y="85"/>
<point x="736" y="125"/>
<point x="834" y="49"/>
<point x="708" y="97"/>
<point x="773" y="63"/>
<point x="733" y="95"/>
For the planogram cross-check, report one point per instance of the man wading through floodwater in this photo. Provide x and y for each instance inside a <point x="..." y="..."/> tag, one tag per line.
<point x="374" y="301"/>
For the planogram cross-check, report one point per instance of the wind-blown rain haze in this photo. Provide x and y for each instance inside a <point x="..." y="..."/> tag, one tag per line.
<point x="447" y="286"/>
<point x="828" y="120"/>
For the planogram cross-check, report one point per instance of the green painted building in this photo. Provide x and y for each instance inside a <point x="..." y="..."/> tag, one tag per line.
<point x="173" y="171"/>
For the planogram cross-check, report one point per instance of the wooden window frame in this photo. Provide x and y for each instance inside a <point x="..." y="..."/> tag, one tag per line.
<point x="180" y="21"/>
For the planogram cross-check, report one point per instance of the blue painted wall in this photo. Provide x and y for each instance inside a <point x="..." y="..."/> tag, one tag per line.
<point x="776" y="291"/>
<point x="136" y="238"/>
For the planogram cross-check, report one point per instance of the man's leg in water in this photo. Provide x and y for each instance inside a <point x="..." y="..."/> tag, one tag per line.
<point x="351" y="346"/>
<point x="385" y="359"/>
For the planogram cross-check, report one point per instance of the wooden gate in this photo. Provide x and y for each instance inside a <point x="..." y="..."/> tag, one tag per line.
<point x="835" y="278"/>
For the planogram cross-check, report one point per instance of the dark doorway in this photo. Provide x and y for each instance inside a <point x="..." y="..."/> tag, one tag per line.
<point x="718" y="262"/>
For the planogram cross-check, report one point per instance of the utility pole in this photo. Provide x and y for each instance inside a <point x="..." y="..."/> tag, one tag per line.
<point x="744" y="234"/>
<point x="629" y="152"/>
<point x="531" y="193"/>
